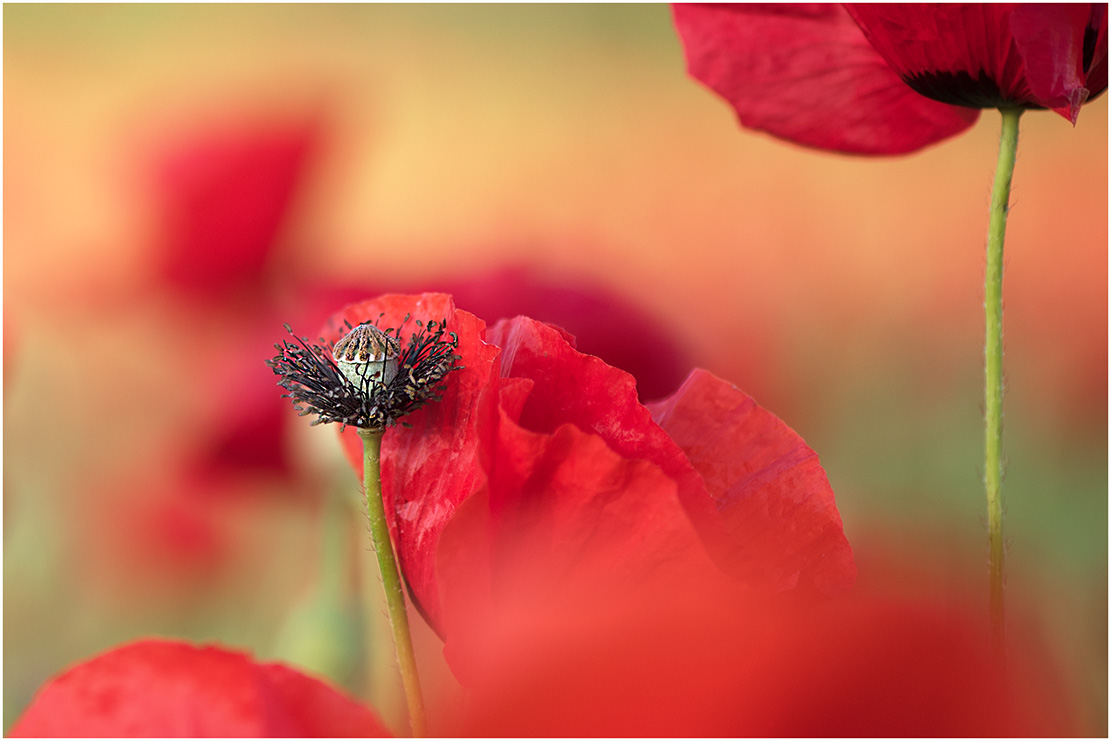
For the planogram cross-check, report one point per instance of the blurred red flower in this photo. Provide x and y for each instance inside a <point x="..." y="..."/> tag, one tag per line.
<point x="226" y="193"/>
<point x="543" y="455"/>
<point x="158" y="688"/>
<point x="690" y="658"/>
<point x="892" y="78"/>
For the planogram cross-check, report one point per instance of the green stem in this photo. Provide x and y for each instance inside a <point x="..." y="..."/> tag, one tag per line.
<point x="993" y="368"/>
<point x="391" y="579"/>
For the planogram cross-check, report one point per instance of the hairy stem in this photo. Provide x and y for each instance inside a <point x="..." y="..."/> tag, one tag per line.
<point x="993" y="368"/>
<point x="391" y="579"/>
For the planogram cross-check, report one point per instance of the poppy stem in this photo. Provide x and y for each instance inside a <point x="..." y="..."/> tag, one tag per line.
<point x="391" y="579"/>
<point x="993" y="369"/>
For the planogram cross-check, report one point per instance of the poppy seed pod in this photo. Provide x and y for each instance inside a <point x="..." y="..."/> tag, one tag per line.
<point x="367" y="379"/>
<point x="367" y="355"/>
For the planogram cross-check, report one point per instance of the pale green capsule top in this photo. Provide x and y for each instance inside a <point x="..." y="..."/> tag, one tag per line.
<point x="366" y="353"/>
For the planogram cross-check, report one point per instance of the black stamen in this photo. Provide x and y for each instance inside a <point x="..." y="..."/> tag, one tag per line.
<point x="315" y="384"/>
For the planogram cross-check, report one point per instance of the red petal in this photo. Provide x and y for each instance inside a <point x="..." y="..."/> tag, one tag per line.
<point x="629" y="339"/>
<point x="572" y="387"/>
<point x="1095" y="50"/>
<point x="429" y="469"/>
<point x="562" y="509"/>
<point x="783" y="525"/>
<point x="1050" y="39"/>
<point x="688" y="660"/>
<point x="159" y="688"/>
<point x="807" y="74"/>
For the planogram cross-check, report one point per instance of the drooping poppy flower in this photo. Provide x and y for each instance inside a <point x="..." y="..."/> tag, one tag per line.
<point x="539" y="447"/>
<point x="160" y="688"/>
<point x="892" y="78"/>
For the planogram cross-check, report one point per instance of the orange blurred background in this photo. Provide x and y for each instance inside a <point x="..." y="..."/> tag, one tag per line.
<point x="443" y="143"/>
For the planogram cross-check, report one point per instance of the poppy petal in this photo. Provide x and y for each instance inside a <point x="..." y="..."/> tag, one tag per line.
<point x="580" y="389"/>
<point x="158" y="688"/>
<point x="686" y="659"/>
<point x="630" y="338"/>
<point x="1051" y="41"/>
<point x="562" y="509"/>
<point x="805" y="73"/>
<point x="1095" y="50"/>
<point x="776" y="502"/>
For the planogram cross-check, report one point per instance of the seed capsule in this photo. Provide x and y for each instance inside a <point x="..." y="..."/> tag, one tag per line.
<point x="367" y="354"/>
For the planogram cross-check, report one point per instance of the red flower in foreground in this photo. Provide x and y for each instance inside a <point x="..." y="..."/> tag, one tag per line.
<point x="890" y="79"/>
<point x="541" y="455"/>
<point x="688" y="658"/>
<point x="161" y="688"/>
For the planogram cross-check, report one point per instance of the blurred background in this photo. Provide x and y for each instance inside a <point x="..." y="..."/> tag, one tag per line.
<point x="181" y="180"/>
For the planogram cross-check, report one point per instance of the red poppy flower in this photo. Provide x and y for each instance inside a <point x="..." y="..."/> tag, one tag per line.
<point x="889" y="79"/>
<point x="539" y="454"/>
<point x="158" y="688"/>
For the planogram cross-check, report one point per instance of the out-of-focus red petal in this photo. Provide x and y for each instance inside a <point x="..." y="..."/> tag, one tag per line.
<point x="158" y="688"/>
<point x="687" y="658"/>
<point x="776" y="502"/>
<point x="428" y="469"/>
<point x="226" y="196"/>
<point x="807" y="74"/>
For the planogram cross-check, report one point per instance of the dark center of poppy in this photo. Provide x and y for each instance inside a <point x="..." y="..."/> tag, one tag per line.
<point x="961" y="88"/>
